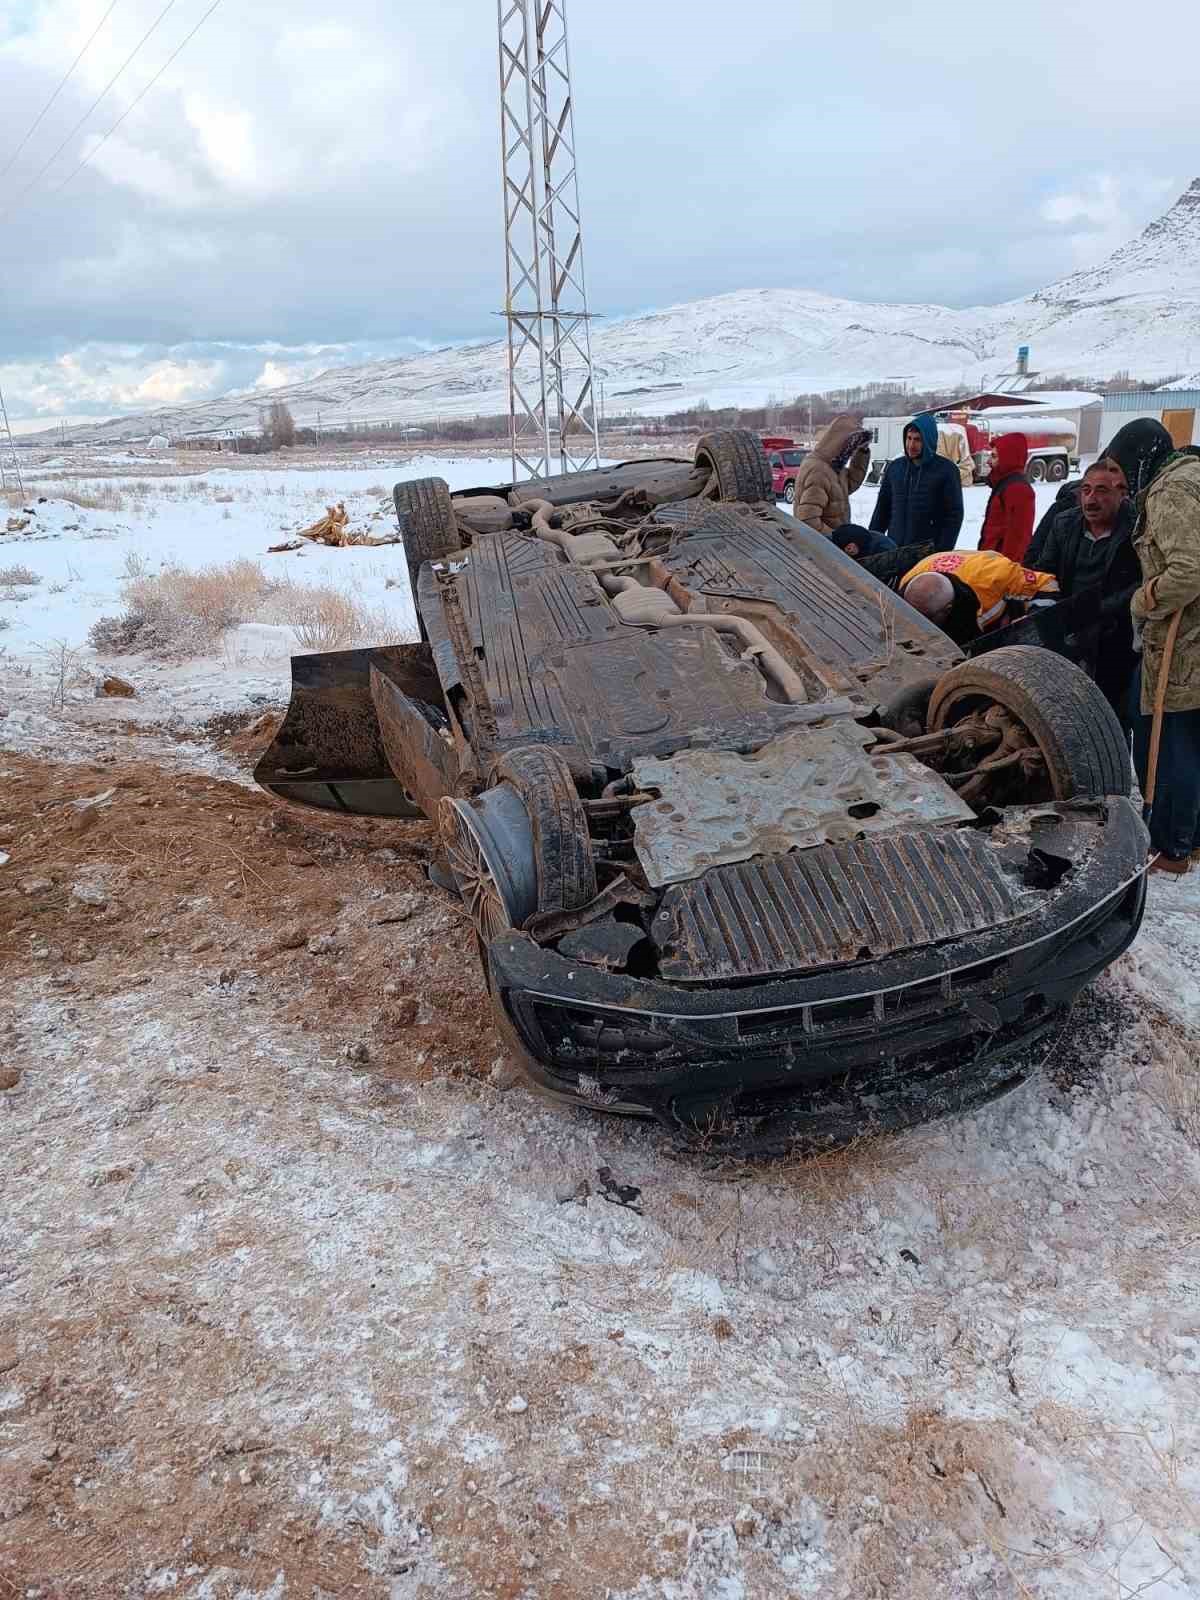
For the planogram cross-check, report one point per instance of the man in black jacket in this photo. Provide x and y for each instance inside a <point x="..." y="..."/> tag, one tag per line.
<point x="920" y="498"/>
<point x="1089" y="548"/>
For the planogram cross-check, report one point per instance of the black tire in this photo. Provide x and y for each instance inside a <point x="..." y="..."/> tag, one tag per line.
<point x="566" y="873"/>
<point x="1056" y="471"/>
<point x="789" y="491"/>
<point x="1036" y="471"/>
<point x="737" y="457"/>
<point x="1074" y="726"/>
<point x="427" y="526"/>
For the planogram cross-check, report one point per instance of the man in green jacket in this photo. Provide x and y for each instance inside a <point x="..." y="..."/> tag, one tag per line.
<point x="1165" y="487"/>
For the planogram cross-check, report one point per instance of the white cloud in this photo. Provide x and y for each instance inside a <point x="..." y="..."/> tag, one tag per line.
<point x="1099" y="203"/>
<point x="1101" y="213"/>
<point x="317" y="181"/>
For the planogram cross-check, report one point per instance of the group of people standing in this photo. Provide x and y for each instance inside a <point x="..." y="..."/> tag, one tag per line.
<point x="1122" y="544"/>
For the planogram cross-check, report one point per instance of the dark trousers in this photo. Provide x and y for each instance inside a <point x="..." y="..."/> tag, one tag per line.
<point x="1175" y="819"/>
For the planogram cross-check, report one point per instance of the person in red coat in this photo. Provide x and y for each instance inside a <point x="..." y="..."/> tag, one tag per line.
<point x="1008" y="521"/>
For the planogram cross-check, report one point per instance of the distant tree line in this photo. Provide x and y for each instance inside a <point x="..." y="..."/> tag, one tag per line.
<point x="804" y="412"/>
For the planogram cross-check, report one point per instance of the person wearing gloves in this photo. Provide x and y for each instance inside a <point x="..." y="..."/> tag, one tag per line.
<point x="920" y="499"/>
<point x="830" y="473"/>
<point x="1164" y="485"/>
<point x="1008" y="520"/>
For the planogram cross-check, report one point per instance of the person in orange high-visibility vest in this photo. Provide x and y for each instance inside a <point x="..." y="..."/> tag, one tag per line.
<point x="966" y="592"/>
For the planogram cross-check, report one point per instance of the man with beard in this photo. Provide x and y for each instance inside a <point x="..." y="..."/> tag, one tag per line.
<point x="1089" y="548"/>
<point x="920" y="499"/>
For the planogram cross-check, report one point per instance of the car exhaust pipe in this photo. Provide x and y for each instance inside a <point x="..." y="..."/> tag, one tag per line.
<point x="654" y="606"/>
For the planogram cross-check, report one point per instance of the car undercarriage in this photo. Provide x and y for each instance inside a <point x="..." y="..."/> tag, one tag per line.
<point x="747" y="845"/>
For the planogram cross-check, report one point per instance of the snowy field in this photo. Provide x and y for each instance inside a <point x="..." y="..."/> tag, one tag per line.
<point x="290" y="1300"/>
<point x="82" y="557"/>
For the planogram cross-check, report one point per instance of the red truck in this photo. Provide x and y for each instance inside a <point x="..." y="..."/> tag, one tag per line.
<point x="784" y="456"/>
<point x="1053" y="441"/>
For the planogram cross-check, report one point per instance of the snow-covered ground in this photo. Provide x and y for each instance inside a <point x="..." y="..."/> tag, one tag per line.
<point x="961" y="1363"/>
<point x="83" y="557"/>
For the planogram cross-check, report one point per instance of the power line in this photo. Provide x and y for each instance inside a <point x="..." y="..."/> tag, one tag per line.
<point x="33" y="126"/>
<point x="134" y="105"/>
<point x="47" y="165"/>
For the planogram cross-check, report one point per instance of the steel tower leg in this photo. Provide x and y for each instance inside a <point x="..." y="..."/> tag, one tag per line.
<point x="551" y="387"/>
<point x="12" y="451"/>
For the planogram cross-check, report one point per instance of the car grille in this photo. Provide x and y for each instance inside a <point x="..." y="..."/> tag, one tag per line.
<point x="831" y="906"/>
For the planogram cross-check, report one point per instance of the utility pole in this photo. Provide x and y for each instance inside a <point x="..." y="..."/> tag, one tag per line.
<point x="12" y="451"/>
<point x="550" y="376"/>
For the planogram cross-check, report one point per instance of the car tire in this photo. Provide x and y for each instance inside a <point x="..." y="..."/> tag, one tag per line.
<point x="789" y="492"/>
<point x="1036" y="471"/>
<point x="1056" y="471"/>
<point x="737" y="457"/>
<point x="1073" y="725"/>
<point x="566" y="872"/>
<point x="428" y="527"/>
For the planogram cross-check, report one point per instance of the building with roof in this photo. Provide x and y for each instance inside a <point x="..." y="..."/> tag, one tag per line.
<point x="1177" y="409"/>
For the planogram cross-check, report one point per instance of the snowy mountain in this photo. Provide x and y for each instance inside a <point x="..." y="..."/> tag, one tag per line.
<point x="1138" y="311"/>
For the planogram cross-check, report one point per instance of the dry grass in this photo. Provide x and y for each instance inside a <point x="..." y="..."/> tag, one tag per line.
<point x="177" y="611"/>
<point x="326" y="618"/>
<point x="107" y="498"/>
<point x="18" y="574"/>
<point x="1176" y="1090"/>
<point x="214" y="597"/>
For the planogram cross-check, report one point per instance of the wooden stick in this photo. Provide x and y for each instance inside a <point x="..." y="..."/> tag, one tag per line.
<point x="1160" y="698"/>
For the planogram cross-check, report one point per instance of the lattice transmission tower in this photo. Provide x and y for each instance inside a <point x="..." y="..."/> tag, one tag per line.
<point x="9" y="465"/>
<point x="551" y="386"/>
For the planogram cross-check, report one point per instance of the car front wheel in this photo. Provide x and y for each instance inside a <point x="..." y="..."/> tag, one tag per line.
<point x="1054" y="735"/>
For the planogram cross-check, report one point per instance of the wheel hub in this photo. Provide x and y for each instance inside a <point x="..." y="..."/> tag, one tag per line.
<point x="489" y="845"/>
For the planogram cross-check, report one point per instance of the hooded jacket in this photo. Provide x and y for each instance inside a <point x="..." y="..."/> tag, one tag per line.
<point x="1167" y="540"/>
<point x="1141" y="449"/>
<point x="826" y="479"/>
<point x="1008" y="520"/>
<point x="952" y="443"/>
<point x="920" y="502"/>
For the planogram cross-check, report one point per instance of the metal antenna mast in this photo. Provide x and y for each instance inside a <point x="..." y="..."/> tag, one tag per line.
<point x="551" y="392"/>
<point x="12" y="450"/>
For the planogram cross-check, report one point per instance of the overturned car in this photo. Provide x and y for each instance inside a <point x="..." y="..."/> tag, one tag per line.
<point x="748" y="845"/>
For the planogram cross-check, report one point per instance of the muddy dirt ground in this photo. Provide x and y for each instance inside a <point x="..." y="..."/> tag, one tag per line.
<point x="294" y="1300"/>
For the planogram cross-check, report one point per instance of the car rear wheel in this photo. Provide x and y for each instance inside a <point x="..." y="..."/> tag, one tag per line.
<point x="740" y="463"/>
<point x="427" y="525"/>
<point x="521" y="848"/>
<point x="1056" y="471"/>
<point x="1036" y="472"/>
<point x="1061" y="740"/>
<point x="566" y="872"/>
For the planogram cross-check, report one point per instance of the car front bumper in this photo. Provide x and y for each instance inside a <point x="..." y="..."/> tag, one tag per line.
<point x="833" y="1055"/>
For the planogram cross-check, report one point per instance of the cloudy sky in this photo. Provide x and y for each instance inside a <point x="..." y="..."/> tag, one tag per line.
<point x="308" y="185"/>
